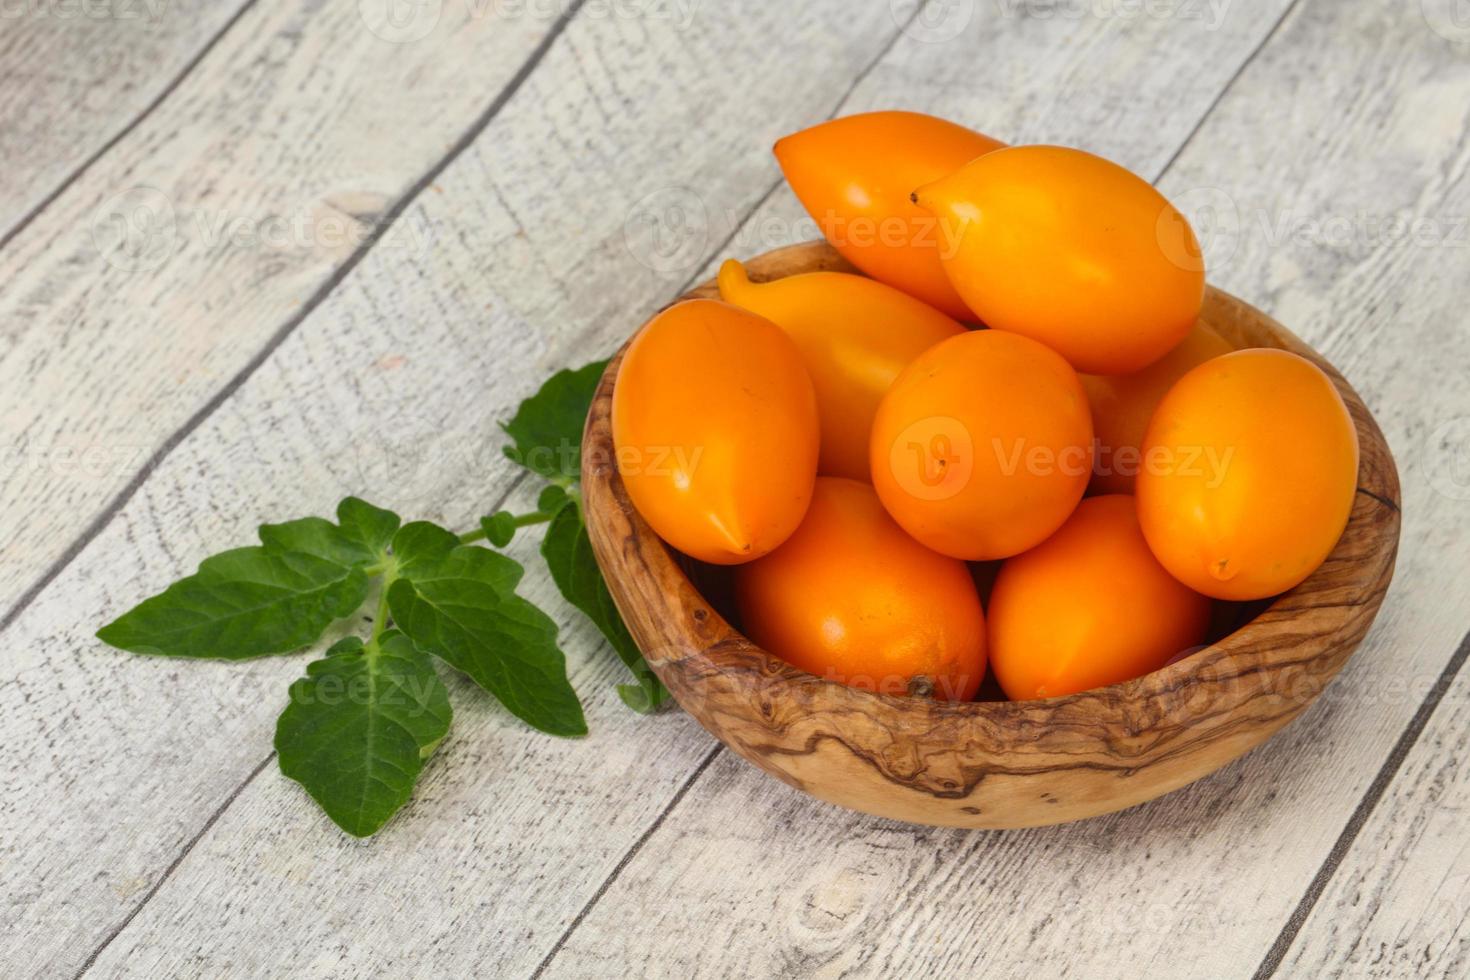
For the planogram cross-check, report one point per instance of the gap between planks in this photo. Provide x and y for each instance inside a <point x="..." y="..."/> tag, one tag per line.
<point x="116" y="138"/>
<point x="1371" y="796"/>
<point x="627" y="859"/>
<point x="115" y="506"/>
<point x="275" y="342"/>
<point x="1369" y="802"/>
<point x="338" y="276"/>
<point x="172" y="867"/>
<point x="1290" y="929"/>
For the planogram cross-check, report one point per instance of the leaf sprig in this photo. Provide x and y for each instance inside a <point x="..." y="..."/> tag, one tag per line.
<point x="357" y="729"/>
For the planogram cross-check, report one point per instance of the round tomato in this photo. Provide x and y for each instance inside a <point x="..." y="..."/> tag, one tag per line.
<point x="1088" y="607"/>
<point x="1250" y="465"/>
<point x="1071" y="250"/>
<point x="851" y="598"/>
<point x="855" y="335"/>
<point x="715" y="428"/>
<point x="854" y="175"/>
<point x="1122" y="404"/>
<point x="983" y="445"/>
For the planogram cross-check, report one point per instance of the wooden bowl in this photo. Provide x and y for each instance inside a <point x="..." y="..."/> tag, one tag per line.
<point x="998" y="763"/>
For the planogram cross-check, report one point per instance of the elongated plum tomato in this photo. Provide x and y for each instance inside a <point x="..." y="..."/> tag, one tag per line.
<point x="983" y="445"/>
<point x="1071" y="250"/>
<point x="1122" y="404"/>
<point x="855" y="174"/>
<point x="1088" y="607"/>
<point x="850" y="597"/>
<point x="1250" y="465"/>
<point x="715" y="428"/>
<point x="855" y="335"/>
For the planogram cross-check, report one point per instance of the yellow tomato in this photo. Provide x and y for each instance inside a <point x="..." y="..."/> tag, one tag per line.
<point x="1071" y="250"/>
<point x="854" y="175"/>
<point x="715" y="428"/>
<point x="850" y="597"/>
<point x="1088" y="607"/>
<point x="855" y="335"/>
<point x="1250" y="465"/>
<point x="1122" y="404"/>
<point x="983" y="445"/>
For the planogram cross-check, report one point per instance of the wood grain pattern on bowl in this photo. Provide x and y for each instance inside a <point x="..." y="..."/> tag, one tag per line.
<point x="994" y="764"/>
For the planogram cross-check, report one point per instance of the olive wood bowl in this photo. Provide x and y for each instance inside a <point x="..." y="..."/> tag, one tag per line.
<point x="996" y="764"/>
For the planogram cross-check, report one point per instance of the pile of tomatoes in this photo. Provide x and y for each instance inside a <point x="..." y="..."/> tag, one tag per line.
<point x="1012" y="441"/>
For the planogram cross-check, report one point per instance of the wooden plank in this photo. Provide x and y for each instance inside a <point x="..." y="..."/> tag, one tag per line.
<point x="74" y="77"/>
<point x="1397" y="899"/>
<point x="1344" y="120"/>
<point x="497" y="857"/>
<point x="163" y="270"/>
<point x="1398" y="904"/>
<point x="391" y="388"/>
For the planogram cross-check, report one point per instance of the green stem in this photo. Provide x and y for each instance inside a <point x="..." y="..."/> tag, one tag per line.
<point x="524" y="520"/>
<point x="380" y="621"/>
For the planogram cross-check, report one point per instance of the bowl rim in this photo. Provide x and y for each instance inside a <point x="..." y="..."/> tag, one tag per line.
<point x="1369" y="543"/>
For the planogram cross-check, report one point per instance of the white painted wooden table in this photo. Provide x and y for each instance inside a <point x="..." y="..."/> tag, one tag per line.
<point x="354" y="227"/>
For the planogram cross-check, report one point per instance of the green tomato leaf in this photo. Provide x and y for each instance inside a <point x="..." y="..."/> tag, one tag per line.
<point x="551" y="499"/>
<point x="316" y="536"/>
<point x="420" y="544"/>
<point x="568" y="554"/>
<point x="464" y="610"/>
<point x="242" y="603"/>
<point x="359" y="726"/>
<point x="372" y="527"/>
<point x="547" y="428"/>
<point x="360" y="538"/>
<point x="499" y="528"/>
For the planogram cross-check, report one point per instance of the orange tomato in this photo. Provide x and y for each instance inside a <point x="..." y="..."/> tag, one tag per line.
<point x="854" y="175"/>
<point x="855" y="335"/>
<point x="1088" y="607"/>
<point x="1122" y="404"/>
<point x="1250" y="465"/>
<point x="715" y="428"/>
<point x="983" y="445"/>
<point x="850" y="597"/>
<point x="1071" y="250"/>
